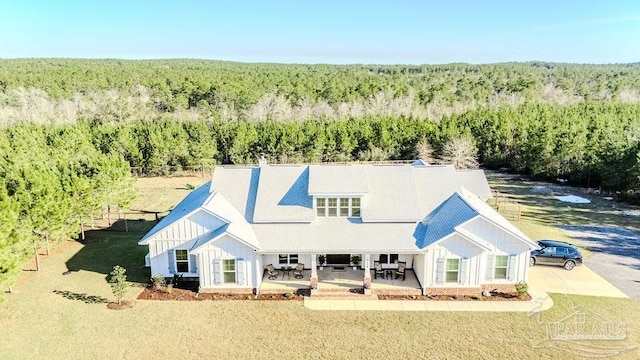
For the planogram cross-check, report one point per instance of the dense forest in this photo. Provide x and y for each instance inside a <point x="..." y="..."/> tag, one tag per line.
<point x="71" y="129"/>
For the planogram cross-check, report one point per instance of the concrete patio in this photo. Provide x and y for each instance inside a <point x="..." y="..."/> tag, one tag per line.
<point x="330" y="279"/>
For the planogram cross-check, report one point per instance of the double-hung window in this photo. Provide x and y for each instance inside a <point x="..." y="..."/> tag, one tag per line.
<point x="338" y="207"/>
<point x="182" y="261"/>
<point x="501" y="266"/>
<point x="287" y="259"/>
<point x="452" y="270"/>
<point x="332" y="207"/>
<point x="388" y="258"/>
<point x="344" y="207"/>
<point x="321" y="209"/>
<point x="355" y="207"/>
<point x="229" y="270"/>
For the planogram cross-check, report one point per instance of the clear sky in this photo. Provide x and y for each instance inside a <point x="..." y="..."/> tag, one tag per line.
<point x="326" y="31"/>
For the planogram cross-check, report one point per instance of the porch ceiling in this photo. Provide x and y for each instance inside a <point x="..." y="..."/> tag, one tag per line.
<point x="340" y="280"/>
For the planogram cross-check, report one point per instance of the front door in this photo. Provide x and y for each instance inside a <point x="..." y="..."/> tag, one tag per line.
<point x="338" y="259"/>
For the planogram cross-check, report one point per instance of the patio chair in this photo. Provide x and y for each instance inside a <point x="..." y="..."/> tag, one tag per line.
<point x="298" y="271"/>
<point x="273" y="273"/>
<point x="379" y="270"/>
<point x="402" y="265"/>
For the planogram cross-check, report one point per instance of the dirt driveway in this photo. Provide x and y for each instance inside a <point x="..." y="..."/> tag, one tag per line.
<point x="615" y="254"/>
<point x="581" y="280"/>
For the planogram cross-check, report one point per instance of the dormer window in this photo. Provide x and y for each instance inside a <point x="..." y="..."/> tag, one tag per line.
<point x="332" y="207"/>
<point x="321" y="211"/>
<point x="344" y="206"/>
<point x="355" y="207"/>
<point x="337" y="207"/>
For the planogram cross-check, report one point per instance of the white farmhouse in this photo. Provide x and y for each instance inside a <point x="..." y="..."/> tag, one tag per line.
<point x="430" y="219"/>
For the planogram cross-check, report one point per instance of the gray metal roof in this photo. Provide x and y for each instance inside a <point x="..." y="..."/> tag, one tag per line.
<point x="391" y="193"/>
<point x="336" y="235"/>
<point x="192" y="202"/>
<point x="270" y="208"/>
<point x="337" y="179"/>
<point x="442" y="221"/>
<point x="282" y="195"/>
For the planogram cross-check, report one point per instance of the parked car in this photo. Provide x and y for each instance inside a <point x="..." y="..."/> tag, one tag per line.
<point x="556" y="253"/>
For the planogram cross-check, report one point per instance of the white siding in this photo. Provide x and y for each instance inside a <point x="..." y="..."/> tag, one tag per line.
<point x="419" y="269"/>
<point x="228" y="248"/>
<point x="500" y="240"/>
<point x="455" y="247"/>
<point x="190" y="227"/>
<point x="160" y="259"/>
<point x="501" y="243"/>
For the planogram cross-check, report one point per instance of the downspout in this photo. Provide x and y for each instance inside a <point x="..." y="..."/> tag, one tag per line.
<point x="258" y="282"/>
<point x="424" y="272"/>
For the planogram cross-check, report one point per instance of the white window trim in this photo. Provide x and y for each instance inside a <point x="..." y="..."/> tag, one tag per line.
<point x="495" y="267"/>
<point x="338" y="206"/>
<point x="446" y="271"/>
<point x="389" y="262"/>
<point x="175" y="261"/>
<point x="289" y="262"/>
<point x="223" y="271"/>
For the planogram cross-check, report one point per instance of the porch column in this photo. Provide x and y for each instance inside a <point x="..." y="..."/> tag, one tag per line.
<point x="314" y="264"/>
<point x="313" y="279"/>
<point x="366" y="278"/>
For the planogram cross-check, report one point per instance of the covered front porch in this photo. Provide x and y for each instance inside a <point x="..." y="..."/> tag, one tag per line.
<point x="342" y="278"/>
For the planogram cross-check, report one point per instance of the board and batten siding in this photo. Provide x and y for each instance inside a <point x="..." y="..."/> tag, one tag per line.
<point x="226" y="247"/>
<point x="455" y="247"/>
<point x="501" y="240"/>
<point x="160" y="258"/>
<point x="419" y="268"/>
<point x="190" y="227"/>
<point x="502" y="243"/>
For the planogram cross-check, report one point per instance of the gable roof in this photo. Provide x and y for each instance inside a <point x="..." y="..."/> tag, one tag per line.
<point x="275" y="202"/>
<point x="236" y="225"/>
<point x="458" y="209"/>
<point x="214" y="204"/>
<point x="188" y="205"/>
<point x="490" y="214"/>
<point x="389" y="193"/>
<point x="442" y="221"/>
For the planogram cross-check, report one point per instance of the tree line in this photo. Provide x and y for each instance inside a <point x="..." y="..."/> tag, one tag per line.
<point x="71" y="129"/>
<point x="52" y="180"/>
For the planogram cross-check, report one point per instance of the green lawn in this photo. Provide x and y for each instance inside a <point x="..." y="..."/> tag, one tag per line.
<point x="56" y="314"/>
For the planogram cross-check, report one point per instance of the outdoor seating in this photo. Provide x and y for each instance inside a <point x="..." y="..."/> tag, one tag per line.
<point x="273" y="273"/>
<point x="402" y="265"/>
<point x="378" y="270"/>
<point x="298" y="271"/>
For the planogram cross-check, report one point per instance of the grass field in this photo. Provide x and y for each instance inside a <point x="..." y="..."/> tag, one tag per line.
<point x="60" y="313"/>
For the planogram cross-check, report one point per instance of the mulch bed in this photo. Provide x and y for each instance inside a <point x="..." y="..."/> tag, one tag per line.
<point x="496" y="296"/>
<point x="150" y="293"/>
<point x="124" y="304"/>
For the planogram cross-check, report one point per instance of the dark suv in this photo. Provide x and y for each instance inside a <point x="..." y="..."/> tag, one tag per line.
<point x="556" y="253"/>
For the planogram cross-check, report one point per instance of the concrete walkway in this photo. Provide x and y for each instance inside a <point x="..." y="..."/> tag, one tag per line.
<point x="542" y="280"/>
<point x="540" y="301"/>
<point x="580" y="281"/>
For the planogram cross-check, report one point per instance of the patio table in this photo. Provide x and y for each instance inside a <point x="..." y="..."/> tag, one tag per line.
<point x="286" y="270"/>
<point x="388" y="273"/>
